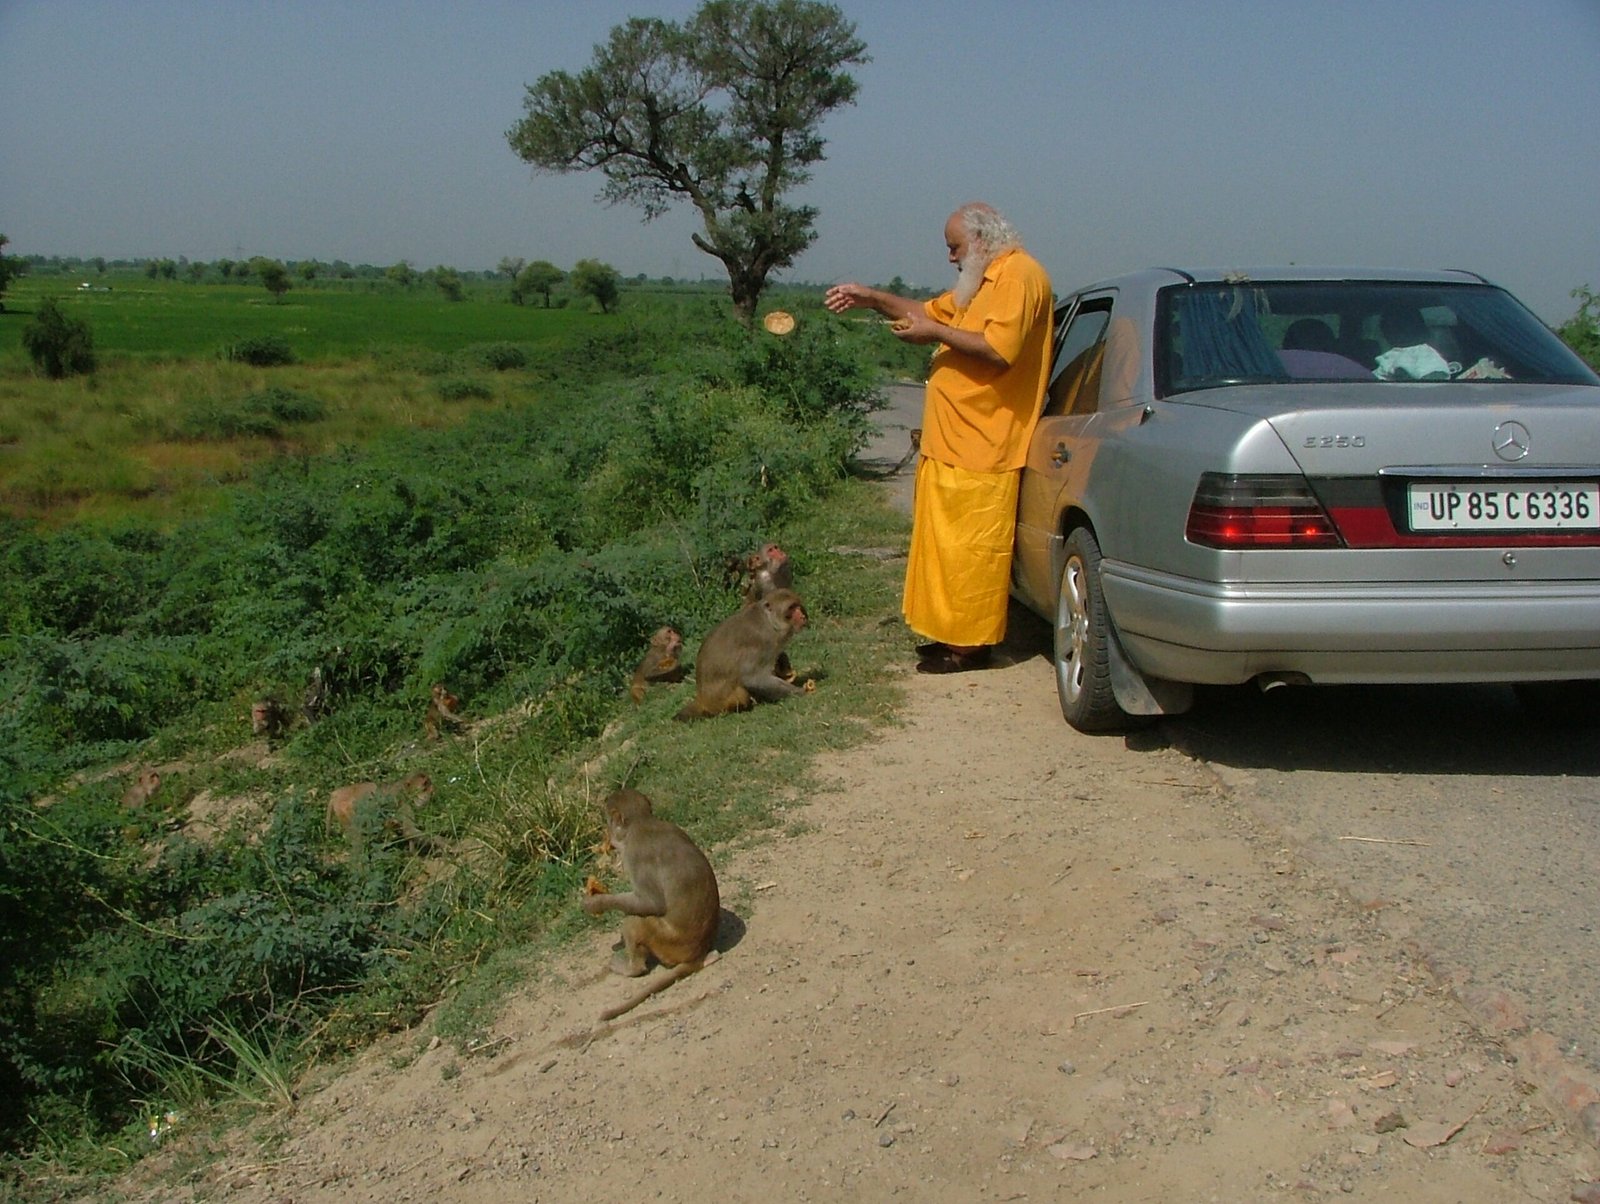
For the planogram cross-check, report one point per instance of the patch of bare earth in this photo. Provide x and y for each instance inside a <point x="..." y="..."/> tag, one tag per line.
<point x="1002" y="961"/>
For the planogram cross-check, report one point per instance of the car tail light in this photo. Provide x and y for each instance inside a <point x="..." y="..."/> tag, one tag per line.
<point x="1232" y="511"/>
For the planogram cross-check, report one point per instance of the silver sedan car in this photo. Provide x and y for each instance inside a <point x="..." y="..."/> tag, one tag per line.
<point x="1296" y="477"/>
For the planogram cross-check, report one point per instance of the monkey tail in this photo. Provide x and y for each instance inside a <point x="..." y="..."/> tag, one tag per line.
<point x="681" y="970"/>
<point x="692" y="710"/>
<point x="636" y="691"/>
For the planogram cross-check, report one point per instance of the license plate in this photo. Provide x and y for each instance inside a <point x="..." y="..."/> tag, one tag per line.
<point x="1465" y="506"/>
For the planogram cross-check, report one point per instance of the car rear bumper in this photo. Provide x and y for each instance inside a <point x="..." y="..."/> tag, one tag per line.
<point x="1196" y="631"/>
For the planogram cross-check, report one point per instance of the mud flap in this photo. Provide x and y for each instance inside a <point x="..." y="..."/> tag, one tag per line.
<point x="1137" y="694"/>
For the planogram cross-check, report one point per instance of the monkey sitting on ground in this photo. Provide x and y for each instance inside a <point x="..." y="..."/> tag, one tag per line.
<point x="734" y="668"/>
<point x="663" y="662"/>
<point x="770" y="570"/>
<point x="146" y="784"/>
<point x="398" y="798"/>
<point x="269" y="718"/>
<point x="442" y="710"/>
<point x="672" y="910"/>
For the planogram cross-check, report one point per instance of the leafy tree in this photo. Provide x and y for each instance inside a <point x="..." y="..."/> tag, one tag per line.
<point x="511" y="267"/>
<point x="539" y="277"/>
<point x="598" y="280"/>
<point x="721" y="111"/>
<point x="1581" y="332"/>
<point x="448" y="282"/>
<point x="274" y="276"/>
<point x="402" y="274"/>
<point x="308" y="269"/>
<point x="59" y="345"/>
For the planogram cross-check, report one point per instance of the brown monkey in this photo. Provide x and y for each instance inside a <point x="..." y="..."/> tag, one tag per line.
<point x="146" y="784"/>
<point x="663" y="662"/>
<point x="911" y="452"/>
<point x="770" y="570"/>
<point x="442" y="709"/>
<point x="734" y="667"/>
<point x="673" y="908"/>
<point x="398" y="797"/>
<point x="269" y="718"/>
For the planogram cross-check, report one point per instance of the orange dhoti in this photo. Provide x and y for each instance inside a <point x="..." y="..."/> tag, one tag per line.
<point x="958" y="577"/>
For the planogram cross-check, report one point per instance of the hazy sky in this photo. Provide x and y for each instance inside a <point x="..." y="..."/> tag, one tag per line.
<point x="1117" y="134"/>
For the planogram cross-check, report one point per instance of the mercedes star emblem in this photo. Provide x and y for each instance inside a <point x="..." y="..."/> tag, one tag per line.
<point x="1511" y="441"/>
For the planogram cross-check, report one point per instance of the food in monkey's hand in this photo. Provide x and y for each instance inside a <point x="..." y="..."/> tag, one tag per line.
<point x="901" y="324"/>
<point x="594" y="886"/>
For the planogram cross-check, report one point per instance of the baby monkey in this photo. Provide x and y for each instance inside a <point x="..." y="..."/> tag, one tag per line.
<point x="663" y="662"/>
<point x="671" y="912"/>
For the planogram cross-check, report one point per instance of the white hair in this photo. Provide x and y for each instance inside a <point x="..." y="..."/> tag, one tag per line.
<point x="987" y="227"/>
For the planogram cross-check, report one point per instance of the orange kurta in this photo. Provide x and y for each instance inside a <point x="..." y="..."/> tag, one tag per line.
<point x="977" y="421"/>
<point x="976" y="415"/>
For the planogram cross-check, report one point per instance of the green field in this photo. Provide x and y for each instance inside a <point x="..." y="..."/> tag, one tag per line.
<point x="167" y="319"/>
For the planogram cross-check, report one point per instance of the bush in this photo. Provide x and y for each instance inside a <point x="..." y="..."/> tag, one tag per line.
<point x="256" y="415"/>
<point x="497" y="357"/>
<point x="58" y="345"/>
<point x="262" y="351"/>
<point x="460" y="388"/>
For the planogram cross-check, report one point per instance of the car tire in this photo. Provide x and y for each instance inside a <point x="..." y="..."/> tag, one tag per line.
<point x="1560" y="703"/>
<point x="1082" y="641"/>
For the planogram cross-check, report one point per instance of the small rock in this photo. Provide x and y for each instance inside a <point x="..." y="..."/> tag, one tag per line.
<point x="1389" y="1122"/>
<point x="1503" y="1141"/>
<point x="885" y="1140"/>
<point x="1587" y="1193"/>
<point x="1067" y="1068"/>
<point x="1071" y="1151"/>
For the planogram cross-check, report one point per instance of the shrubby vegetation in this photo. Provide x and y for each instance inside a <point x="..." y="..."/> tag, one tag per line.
<point x="58" y="345"/>
<point x="1581" y="332"/>
<point x="523" y="556"/>
<point x="261" y="351"/>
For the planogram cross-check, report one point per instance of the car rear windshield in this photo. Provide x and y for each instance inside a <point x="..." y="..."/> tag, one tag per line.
<point x="1254" y="332"/>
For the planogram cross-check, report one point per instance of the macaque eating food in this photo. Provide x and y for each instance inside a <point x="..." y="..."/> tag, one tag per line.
<point x="662" y="662"/>
<point x="769" y="570"/>
<point x="735" y="667"/>
<point x="672" y="910"/>
<point x="443" y="708"/>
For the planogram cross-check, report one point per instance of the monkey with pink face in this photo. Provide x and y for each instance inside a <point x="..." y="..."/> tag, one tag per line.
<point x="735" y="667"/>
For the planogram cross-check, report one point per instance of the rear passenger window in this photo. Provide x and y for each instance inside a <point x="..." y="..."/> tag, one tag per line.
<point x="1075" y="372"/>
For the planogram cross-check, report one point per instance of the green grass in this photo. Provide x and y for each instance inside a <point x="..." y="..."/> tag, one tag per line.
<point x="173" y="320"/>
<point x="136" y="438"/>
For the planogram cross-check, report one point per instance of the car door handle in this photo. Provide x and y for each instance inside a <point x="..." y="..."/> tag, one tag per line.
<point x="1061" y="454"/>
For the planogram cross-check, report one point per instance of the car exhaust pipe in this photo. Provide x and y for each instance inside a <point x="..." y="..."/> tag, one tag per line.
<point x="1268" y="682"/>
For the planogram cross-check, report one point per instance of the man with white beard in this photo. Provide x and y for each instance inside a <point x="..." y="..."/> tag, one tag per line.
<point x="983" y="395"/>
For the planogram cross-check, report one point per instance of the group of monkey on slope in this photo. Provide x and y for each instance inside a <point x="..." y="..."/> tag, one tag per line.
<point x="673" y="909"/>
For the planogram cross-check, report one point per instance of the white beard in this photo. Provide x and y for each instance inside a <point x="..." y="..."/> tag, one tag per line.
<point x="969" y="278"/>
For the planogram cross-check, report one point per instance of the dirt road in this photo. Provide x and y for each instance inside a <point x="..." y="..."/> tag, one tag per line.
<point x="997" y="961"/>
